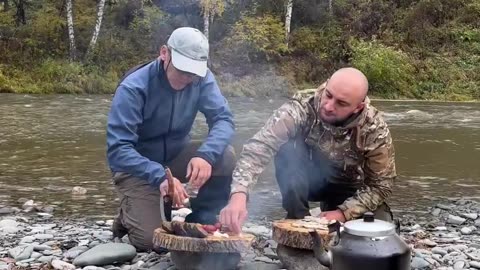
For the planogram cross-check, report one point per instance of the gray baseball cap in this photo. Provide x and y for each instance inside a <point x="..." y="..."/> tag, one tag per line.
<point x="189" y="49"/>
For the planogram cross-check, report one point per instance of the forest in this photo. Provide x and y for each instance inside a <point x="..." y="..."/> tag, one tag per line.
<point x="409" y="49"/>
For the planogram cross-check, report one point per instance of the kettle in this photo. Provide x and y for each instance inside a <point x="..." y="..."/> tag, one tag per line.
<point x="364" y="244"/>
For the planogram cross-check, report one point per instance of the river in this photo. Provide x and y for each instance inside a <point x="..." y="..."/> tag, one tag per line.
<point x="51" y="143"/>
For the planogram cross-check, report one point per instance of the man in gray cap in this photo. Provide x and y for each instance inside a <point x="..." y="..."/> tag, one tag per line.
<point x="148" y="128"/>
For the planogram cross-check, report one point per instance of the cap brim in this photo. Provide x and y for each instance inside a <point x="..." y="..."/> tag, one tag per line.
<point x="184" y="63"/>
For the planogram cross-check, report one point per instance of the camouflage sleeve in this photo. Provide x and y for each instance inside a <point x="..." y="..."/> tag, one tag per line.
<point x="379" y="173"/>
<point x="284" y="124"/>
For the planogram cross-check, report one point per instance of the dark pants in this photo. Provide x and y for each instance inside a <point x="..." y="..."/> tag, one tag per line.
<point x="304" y="176"/>
<point x="139" y="212"/>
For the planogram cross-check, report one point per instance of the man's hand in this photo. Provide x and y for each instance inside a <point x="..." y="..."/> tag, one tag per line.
<point x="235" y="213"/>
<point x="334" y="215"/>
<point x="179" y="193"/>
<point x="198" y="172"/>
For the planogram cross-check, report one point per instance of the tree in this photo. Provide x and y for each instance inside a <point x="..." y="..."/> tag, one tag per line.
<point x="210" y="8"/>
<point x="20" y="13"/>
<point x="6" y="5"/>
<point x="98" y="24"/>
<point x="288" y="20"/>
<point x="71" y="32"/>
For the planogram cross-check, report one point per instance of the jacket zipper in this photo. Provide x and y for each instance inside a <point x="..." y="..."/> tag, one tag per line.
<point x="169" y="128"/>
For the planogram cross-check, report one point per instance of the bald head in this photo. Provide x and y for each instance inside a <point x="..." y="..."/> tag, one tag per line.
<point x="344" y="95"/>
<point x="350" y="82"/>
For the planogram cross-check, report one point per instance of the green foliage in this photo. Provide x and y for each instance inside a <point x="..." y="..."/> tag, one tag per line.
<point x="263" y="34"/>
<point x="389" y="71"/>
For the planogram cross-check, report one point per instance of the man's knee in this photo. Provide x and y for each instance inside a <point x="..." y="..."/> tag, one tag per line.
<point x="226" y="163"/>
<point x="141" y="239"/>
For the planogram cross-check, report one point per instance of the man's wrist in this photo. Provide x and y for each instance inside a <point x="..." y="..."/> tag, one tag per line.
<point x="239" y="196"/>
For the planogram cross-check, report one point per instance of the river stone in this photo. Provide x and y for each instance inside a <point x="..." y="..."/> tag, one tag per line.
<point x="466" y="231"/>
<point x="45" y="259"/>
<point x="43" y="236"/>
<point x="436" y="212"/>
<point x="6" y="210"/>
<point x="439" y="250"/>
<point x="75" y="252"/>
<point x="419" y="263"/>
<point x="61" y="265"/>
<point x="21" y="252"/>
<point x="79" y="191"/>
<point x="471" y="216"/>
<point x="459" y="265"/>
<point x="428" y="242"/>
<point x="8" y="223"/>
<point x="477" y="222"/>
<point x="106" y="254"/>
<point x="455" y="220"/>
<point x="27" y="239"/>
<point x="444" y="207"/>
<point x="475" y="264"/>
<point x="10" y="230"/>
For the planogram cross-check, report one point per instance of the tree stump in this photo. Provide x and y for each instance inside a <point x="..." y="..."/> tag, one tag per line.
<point x="295" y="244"/>
<point x="210" y="253"/>
<point x="296" y="233"/>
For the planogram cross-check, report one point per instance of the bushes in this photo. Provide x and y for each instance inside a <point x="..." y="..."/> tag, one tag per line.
<point x="389" y="71"/>
<point x="54" y="76"/>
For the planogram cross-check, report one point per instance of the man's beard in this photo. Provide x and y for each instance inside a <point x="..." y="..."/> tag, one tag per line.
<point x="341" y="122"/>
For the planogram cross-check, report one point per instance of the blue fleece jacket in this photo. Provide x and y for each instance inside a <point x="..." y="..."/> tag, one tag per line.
<point x="149" y="122"/>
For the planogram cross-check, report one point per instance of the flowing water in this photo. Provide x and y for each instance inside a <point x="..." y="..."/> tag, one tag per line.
<point x="49" y="144"/>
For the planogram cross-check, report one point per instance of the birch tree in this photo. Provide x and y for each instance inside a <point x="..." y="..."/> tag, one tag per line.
<point x="71" y="32"/>
<point x="211" y="8"/>
<point x="288" y="20"/>
<point x="98" y="24"/>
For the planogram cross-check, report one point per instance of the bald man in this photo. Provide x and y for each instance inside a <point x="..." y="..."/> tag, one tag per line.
<point x="330" y="146"/>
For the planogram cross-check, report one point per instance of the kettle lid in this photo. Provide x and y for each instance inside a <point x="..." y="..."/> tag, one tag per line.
<point x="369" y="227"/>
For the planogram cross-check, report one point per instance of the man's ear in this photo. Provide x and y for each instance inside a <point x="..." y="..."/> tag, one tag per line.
<point x="359" y="107"/>
<point x="163" y="53"/>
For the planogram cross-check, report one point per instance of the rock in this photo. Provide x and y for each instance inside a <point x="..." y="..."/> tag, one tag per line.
<point x="44" y="215"/>
<point x="48" y="209"/>
<point x="475" y="264"/>
<point x="6" y="210"/>
<point x="28" y="204"/>
<point x="419" y="263"/>
<point x="258" y="230"/>
<point x="10" y="230"/>
<point x="27" y="239"/>
<point x="106" y="254"/>
<point x="459" y="265"/>
<point x="75" y="252"/>
<point x="466" y="231"/>
<point x="428" y="242"/>
<point x="440" y="228"/>
<point x="444" y="207"/>
<point x="45" y="259"/>
<point x="477" y="222"/>
<point x="436" y="212"/>
<point x="43" y="236"/>
<point x="264" y="259"/>
<point x="41" y="247"/>
<point x="439" y="250"/>
<point x="61" y="265"/>
<point x="268" y="252"/>
<point x="471" y="216"/>
<point x="21" y="252"/>
<point x="455" y="220"/>
<point x="8" y="223"/>
<point x="79" y="191"/>
<point x="101" y="223"/>
<point x="84" y="242"/>
<point x="91" y="267"/>
<point x="109" y="222"/>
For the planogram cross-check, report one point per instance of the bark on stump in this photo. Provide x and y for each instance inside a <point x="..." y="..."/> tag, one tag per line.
<point x="210" y="253"/>
<point x="295" y="245"/>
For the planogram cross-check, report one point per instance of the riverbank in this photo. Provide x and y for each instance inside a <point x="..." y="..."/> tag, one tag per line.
<point x="33" y="238"/>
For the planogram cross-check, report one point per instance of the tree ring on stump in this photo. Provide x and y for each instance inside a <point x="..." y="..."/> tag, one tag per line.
<point x="287" y="233"/>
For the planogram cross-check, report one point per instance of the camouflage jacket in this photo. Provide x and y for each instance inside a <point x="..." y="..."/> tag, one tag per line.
<point x="363" y="148"/>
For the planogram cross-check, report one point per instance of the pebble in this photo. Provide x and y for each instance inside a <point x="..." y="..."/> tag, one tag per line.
<point x="466" y="230"/>
<point x="471" y="216"/>
<point x="106" y="254"/>
<point x="475" y="264"/>
<point x="21" y="252"/>
<point x="79" y="191"/>
<point x="61" y="265"/>
<point x="455" y="220"/>
<point x="419" y="263"/>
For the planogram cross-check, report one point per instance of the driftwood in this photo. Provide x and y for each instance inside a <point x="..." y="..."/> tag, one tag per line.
<point x="290" y="233"/>
<point x="217" y="244"/>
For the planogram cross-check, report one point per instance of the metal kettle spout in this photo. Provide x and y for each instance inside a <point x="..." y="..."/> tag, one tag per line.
<point x="323" y="256"/>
